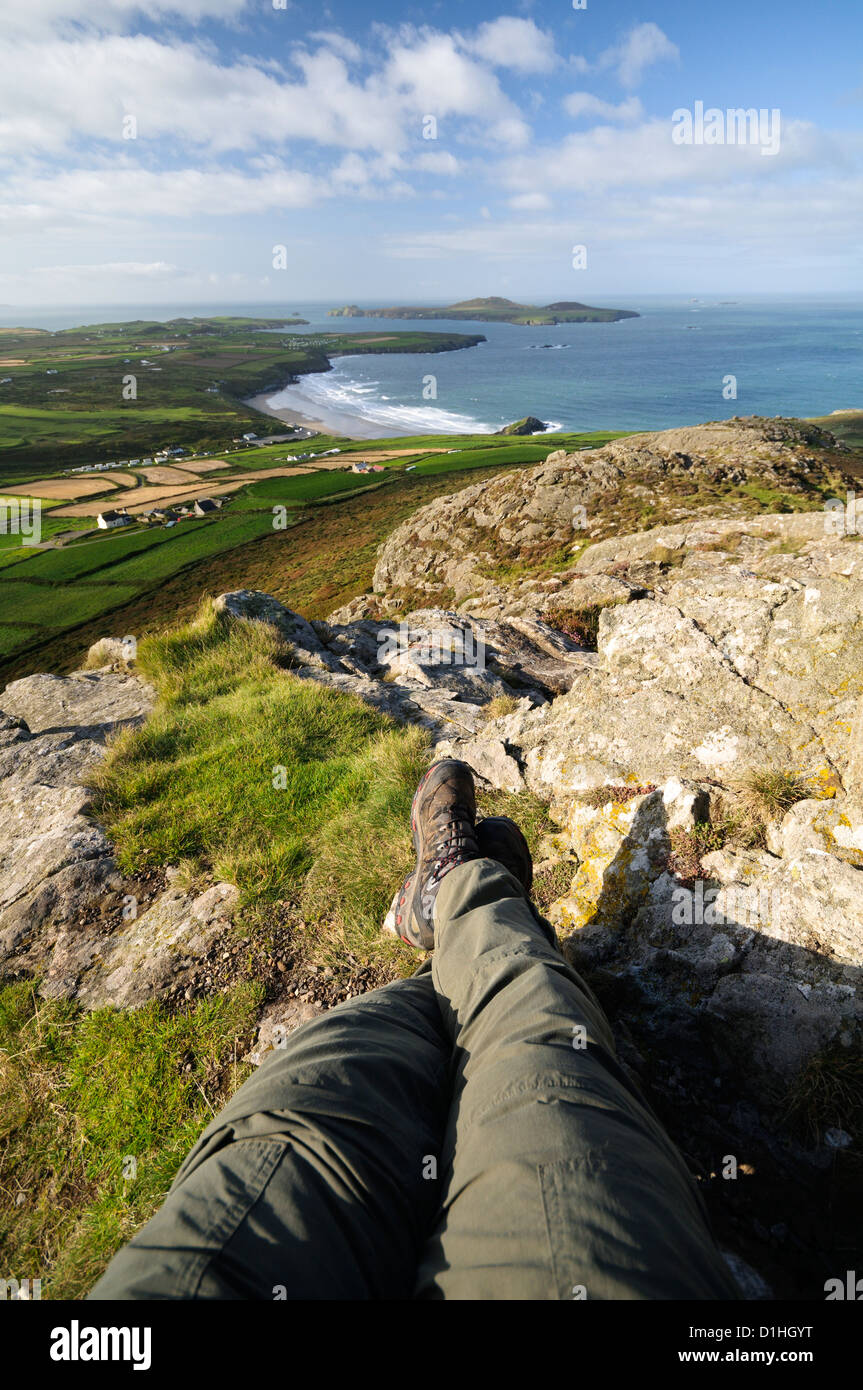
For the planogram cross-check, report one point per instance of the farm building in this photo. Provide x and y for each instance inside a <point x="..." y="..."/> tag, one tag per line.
<point x="205" y="505"/>
<point x="107" y="520"/>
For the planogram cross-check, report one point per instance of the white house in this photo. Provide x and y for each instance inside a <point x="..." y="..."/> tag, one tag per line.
<point x="107" y="520"/>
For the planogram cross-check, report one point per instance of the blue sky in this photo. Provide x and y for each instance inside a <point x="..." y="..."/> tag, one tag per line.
<point x="159" y="154"/>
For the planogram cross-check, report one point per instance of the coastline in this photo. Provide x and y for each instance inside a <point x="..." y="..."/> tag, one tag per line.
<point x="294" y="408"/>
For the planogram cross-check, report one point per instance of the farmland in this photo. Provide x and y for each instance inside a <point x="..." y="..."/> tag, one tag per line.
<point x="55" y="602"/>
<point x="88" y="394"/>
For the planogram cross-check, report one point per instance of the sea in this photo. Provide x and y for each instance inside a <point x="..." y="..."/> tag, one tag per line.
<point x="685" y="360"/>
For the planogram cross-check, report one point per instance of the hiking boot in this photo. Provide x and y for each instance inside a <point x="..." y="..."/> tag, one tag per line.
<point x="443" y="822"/>
<point x="498" y="838"/>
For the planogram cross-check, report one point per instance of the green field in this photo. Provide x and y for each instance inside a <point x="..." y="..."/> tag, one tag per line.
<point x="47" y="594"/>
<point x="11" y="638"/>
<point x="53" y="590"/>
<point x="59" y="606"/>
<point x="293" y="492"/>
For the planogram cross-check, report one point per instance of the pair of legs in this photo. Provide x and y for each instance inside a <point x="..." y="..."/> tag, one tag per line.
<point x="466" y="1133"/>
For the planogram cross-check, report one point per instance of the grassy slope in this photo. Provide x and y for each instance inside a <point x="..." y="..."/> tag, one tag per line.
<point x="847" y="425"/>
<point x="80" y="1094"/>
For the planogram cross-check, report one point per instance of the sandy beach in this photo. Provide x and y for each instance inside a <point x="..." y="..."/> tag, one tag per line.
<point x="294" y="406"/>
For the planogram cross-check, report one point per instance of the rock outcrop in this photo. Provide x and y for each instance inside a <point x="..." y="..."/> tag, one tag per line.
<point x="67" y="913"/>
<point x="462" y="543"/>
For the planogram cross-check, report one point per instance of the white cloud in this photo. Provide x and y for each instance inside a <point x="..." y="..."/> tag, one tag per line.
<point x="585" y="104"/>
<point x="437" y="162"/>
<point x="644" y="45"/>
<point x="339" y="43"/>
<point x="432" y="76"/>
<point x="530" y="202"/>
<point x="644" y="156"/>
<point x="148" y="270"/>
<point x="33" y="16"/>
<point x="509" y="42"/>
<point x="131" y="194"/>
<point x="823" y="227"/>
<point x="58" y="91"/>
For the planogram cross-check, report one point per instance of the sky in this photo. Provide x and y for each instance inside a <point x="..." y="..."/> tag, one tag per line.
<point x="243" y="151"/>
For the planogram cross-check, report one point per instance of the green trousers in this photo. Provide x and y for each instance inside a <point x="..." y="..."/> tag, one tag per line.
<point x="466" y="1133"/>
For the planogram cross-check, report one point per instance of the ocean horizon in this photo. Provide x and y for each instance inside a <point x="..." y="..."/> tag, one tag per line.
<point x="685" y="360"/>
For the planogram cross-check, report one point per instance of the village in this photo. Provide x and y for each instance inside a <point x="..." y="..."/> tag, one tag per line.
<point x="170" y="515"/>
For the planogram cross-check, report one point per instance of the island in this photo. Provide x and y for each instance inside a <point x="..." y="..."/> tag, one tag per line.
<point x="493" y="310"/>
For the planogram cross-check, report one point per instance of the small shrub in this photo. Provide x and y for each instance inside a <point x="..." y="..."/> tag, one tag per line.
<point x="600" y="796"/>
<point x="829" y="1095"/>
<point x="688" y="848"/>
<point x="581" y="625"/>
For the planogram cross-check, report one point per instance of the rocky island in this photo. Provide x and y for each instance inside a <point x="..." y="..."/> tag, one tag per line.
<point x="494" y="310"/>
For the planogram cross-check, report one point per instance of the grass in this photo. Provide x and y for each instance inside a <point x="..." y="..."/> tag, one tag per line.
<point x="276" y="783"/>
<point x="829" y="1095"/>
<point x="43" y="595"/>
<point x="287" y="788"/>
<point x="12" y="636"/>
<point x="99" y="553"/>
<point x="479" y="457"/>
<point x="500" y="706"/>
<point x="304" y="487"/>
<point x="96" y="1113"/>
<point x="189" y="546"/>
<point x="61" y="606"/>
<point x="771" y="792"/>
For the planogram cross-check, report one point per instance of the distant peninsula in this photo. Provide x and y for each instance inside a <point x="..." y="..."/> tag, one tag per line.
<point x="493" y="310"/>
